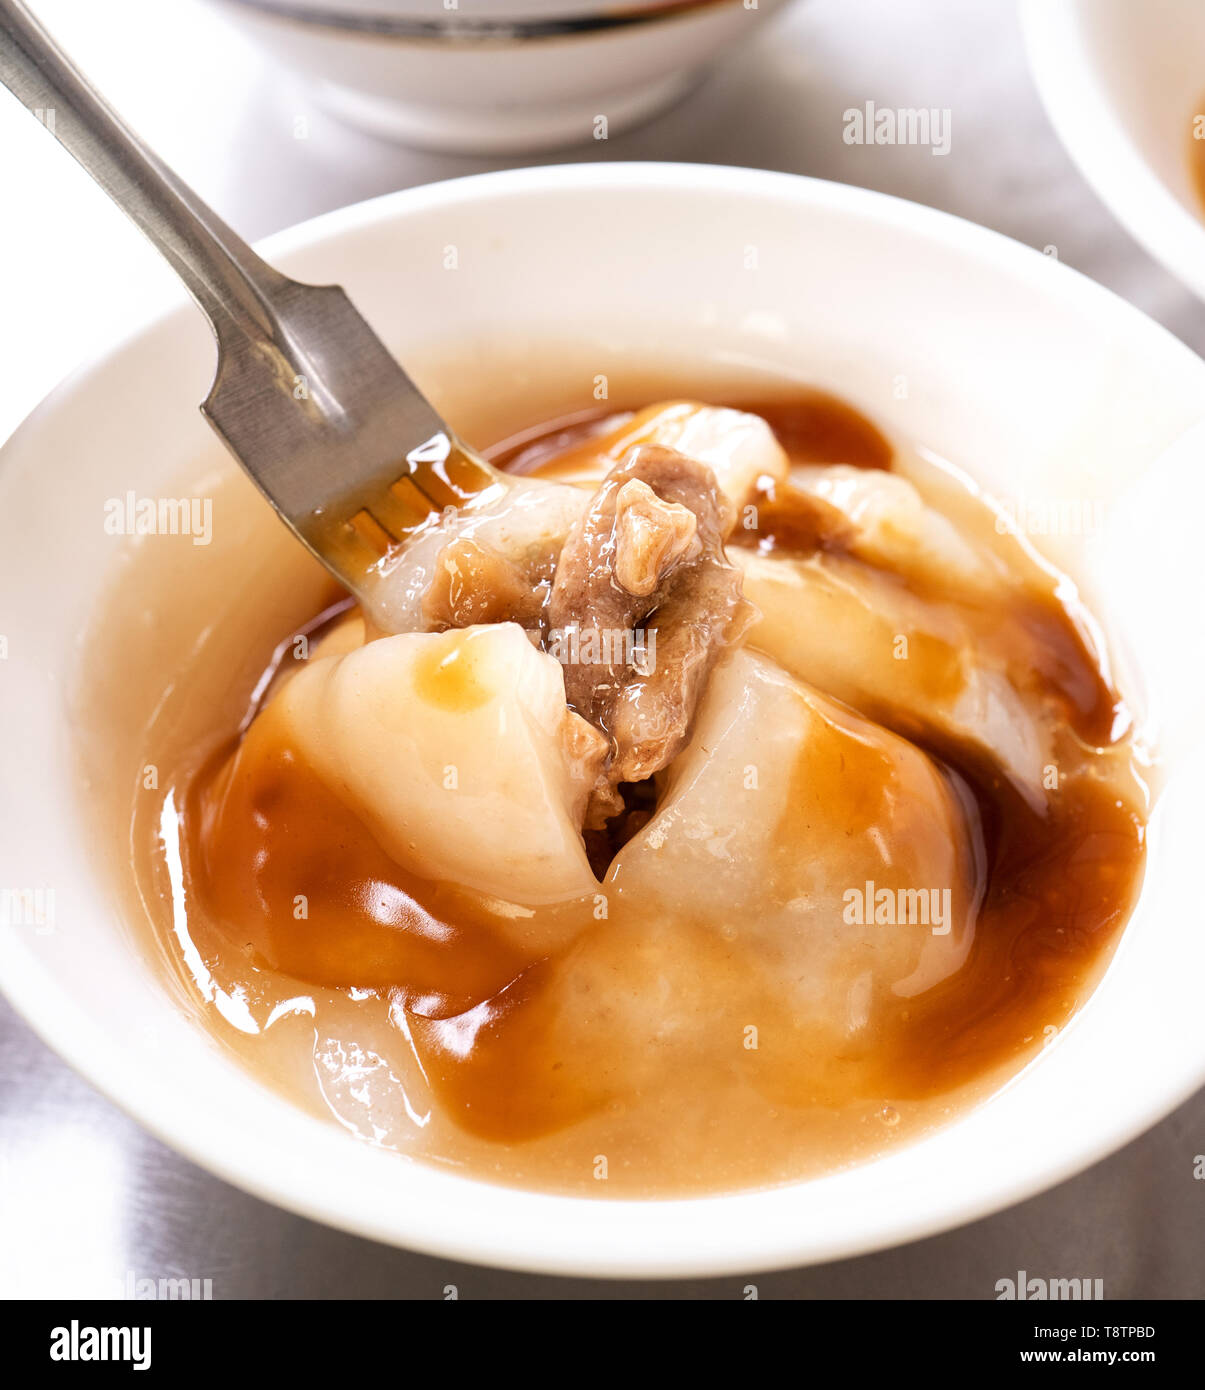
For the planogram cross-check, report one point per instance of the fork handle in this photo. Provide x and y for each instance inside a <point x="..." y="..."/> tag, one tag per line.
<point x="233" y="286"/>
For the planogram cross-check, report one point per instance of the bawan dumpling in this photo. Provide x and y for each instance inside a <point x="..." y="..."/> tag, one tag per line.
<point x="834" y="853"/>
<point x="458" y="752"/>
<point x="896" y="656"/>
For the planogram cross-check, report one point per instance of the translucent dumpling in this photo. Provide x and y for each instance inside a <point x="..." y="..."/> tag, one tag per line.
<point x="831" y="849"/>
<point x="897" y="656"/>
<point x="738" y="447"/>
<point x="523" y="522"/>
<point x="891" y="525"/>
<point x="458" y="752"/>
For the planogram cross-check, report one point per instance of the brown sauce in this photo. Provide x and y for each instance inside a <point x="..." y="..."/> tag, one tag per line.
<point x="812" y="426"/>
<point x="262" y="834"/>
<point x="278" y="857"/>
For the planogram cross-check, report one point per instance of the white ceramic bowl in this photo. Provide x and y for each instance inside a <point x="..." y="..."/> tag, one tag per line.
<point x="497" y="78"/>
<point x="1032" y="377"/>
<point x="1122" y="82"/>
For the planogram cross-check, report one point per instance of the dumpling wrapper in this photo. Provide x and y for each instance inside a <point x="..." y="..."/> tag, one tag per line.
<point x="896" y="657"/>
<point x="781" y="810"/>
<point x="459" y="754"/>
<point x="892" y="525"/>
<point x="740" y="448"/>
<point x="515" y="519"/>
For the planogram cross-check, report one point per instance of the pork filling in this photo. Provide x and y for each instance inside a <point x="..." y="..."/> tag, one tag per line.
<point x="643" y="602"/>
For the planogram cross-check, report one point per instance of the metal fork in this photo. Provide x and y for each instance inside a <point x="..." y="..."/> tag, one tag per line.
<point x="306" y="397"/>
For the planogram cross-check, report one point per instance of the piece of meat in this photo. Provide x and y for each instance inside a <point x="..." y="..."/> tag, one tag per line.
<point x="643" y="602"/>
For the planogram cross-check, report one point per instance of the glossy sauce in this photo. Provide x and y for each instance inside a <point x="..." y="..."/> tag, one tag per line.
<point x="521" y="1093"/>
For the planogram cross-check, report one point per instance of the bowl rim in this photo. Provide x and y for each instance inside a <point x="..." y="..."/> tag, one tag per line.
<point x="1100" y="145"/>
<point x="552" y="1227"/>
<point x="472" y="32"/>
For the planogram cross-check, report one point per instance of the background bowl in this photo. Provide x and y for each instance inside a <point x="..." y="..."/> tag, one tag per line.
<point x="520" y="75"/>
<point x="1122" y="84"/>
<point x="1037" y="381"/>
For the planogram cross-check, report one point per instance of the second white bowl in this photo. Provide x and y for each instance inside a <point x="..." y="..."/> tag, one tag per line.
<point x="1122" y="83"/>
<point x="499" y="80"/>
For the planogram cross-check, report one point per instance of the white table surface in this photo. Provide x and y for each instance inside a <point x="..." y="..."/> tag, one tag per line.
<point x="85" y="1195"/>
